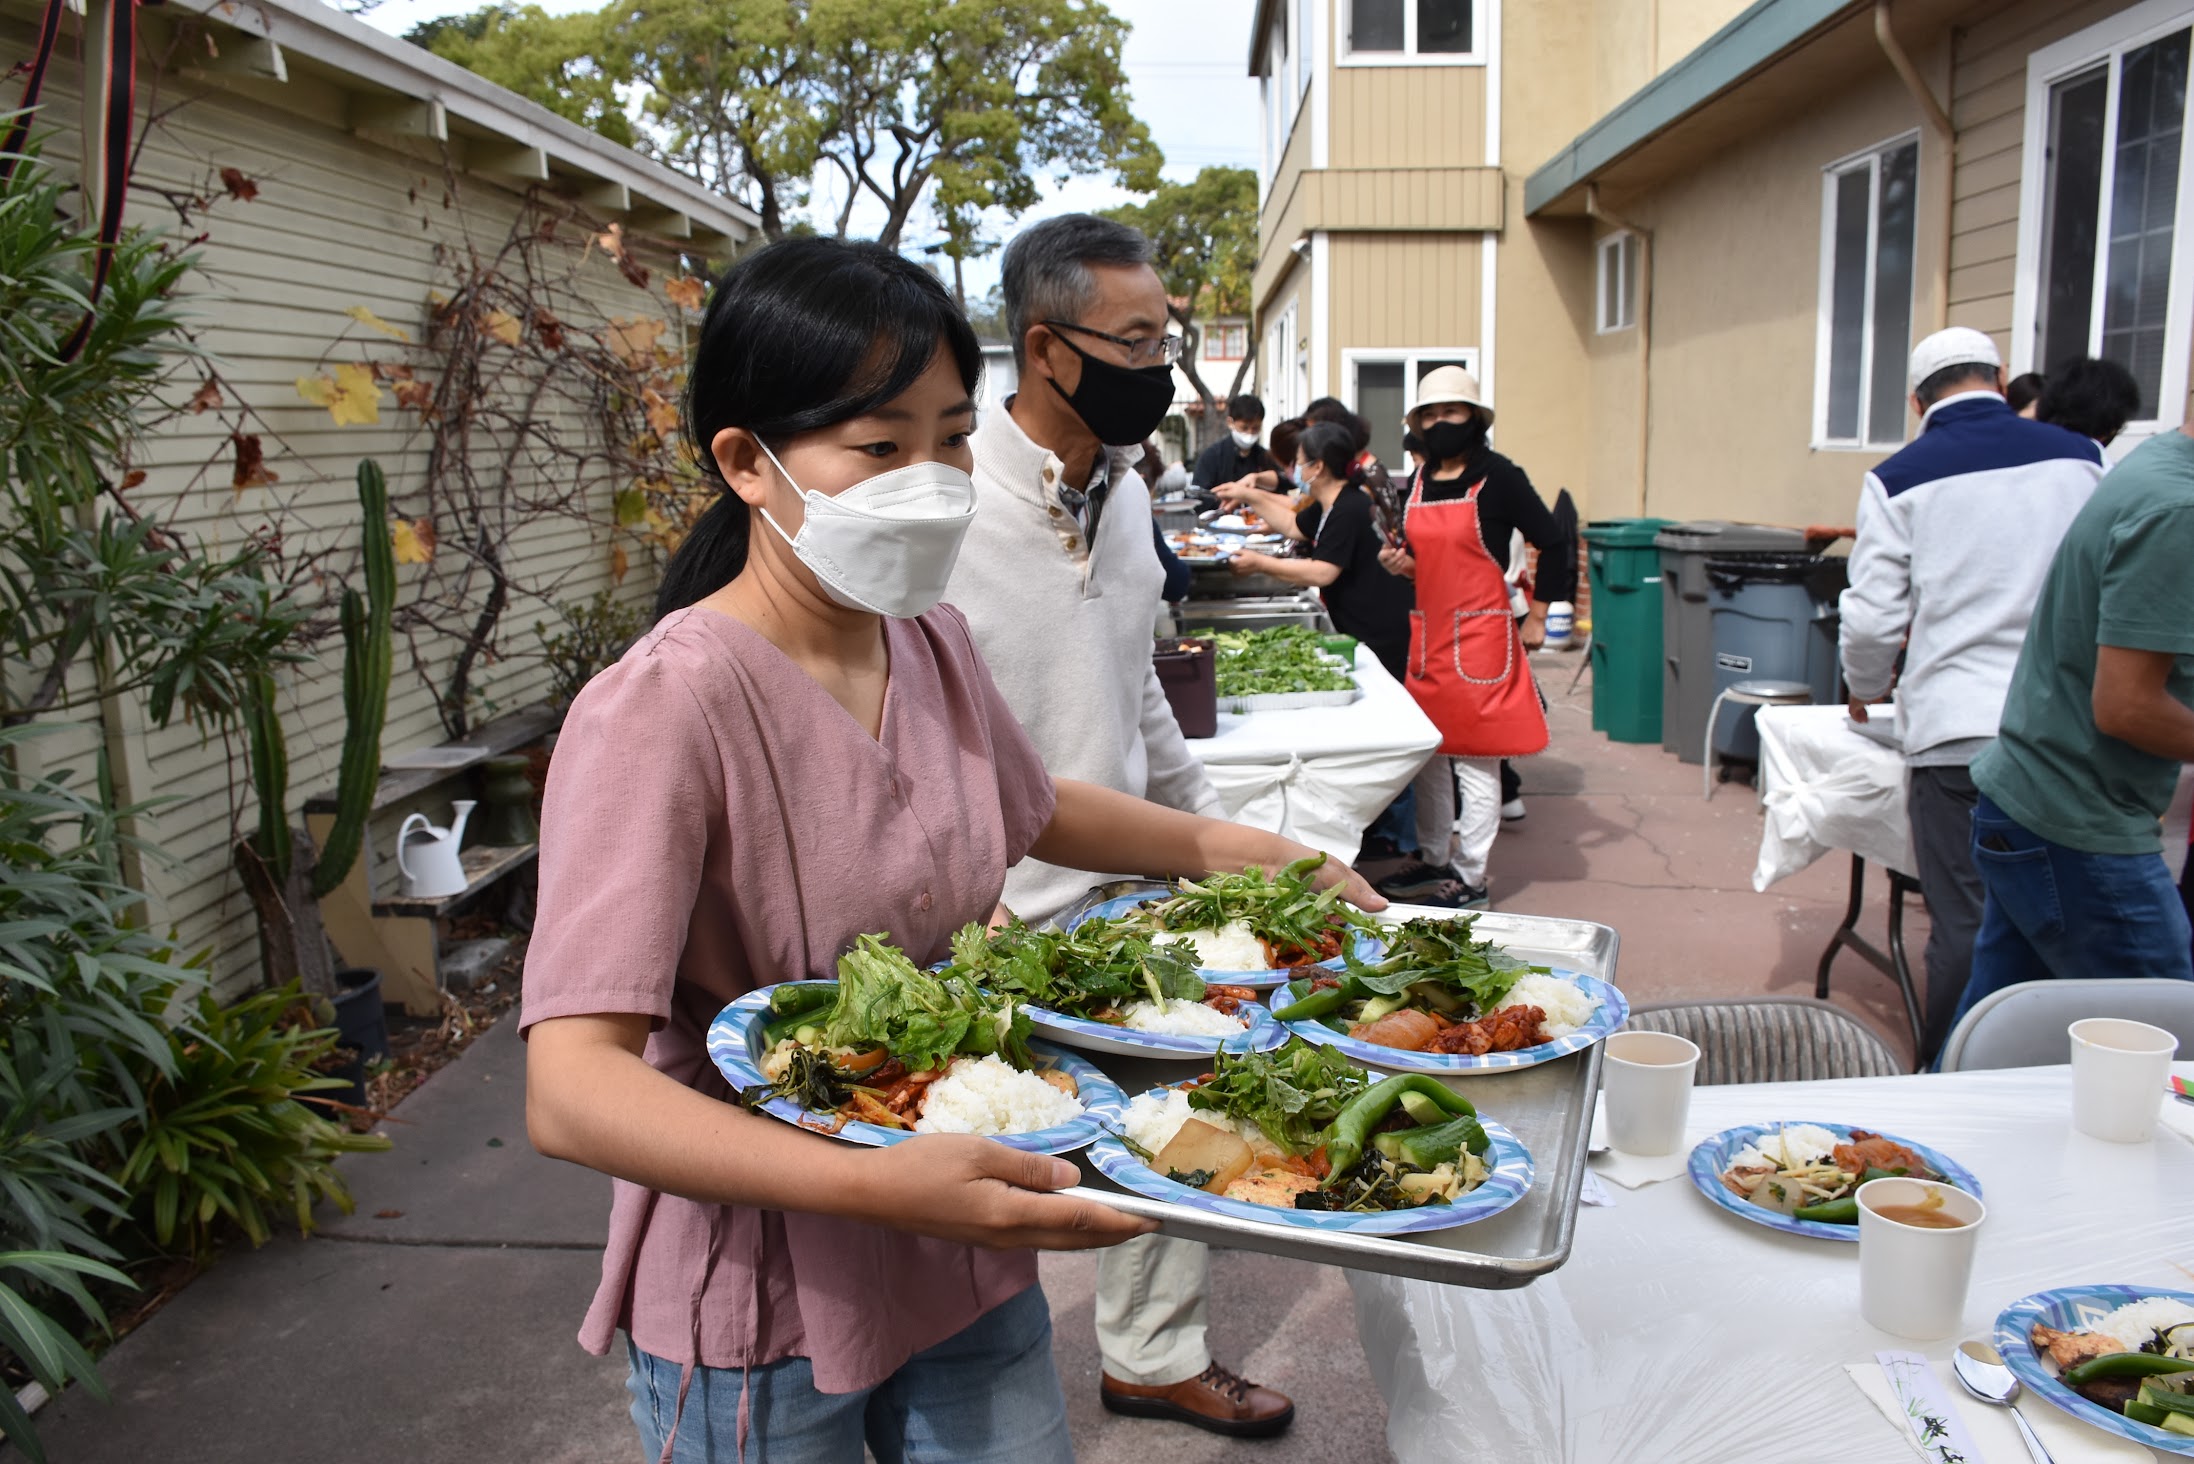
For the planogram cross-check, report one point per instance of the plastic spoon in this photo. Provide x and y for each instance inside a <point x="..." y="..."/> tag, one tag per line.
<point x="1981" y="1369"/>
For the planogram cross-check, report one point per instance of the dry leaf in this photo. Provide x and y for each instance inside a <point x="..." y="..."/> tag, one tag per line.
<point x="372" y="321"/>
<point x="662" y="413"/>
<point x="548" y="329"/>
<point x="619" y="565"/>
<point x="251" y="468"/>
<point x="239" y="187"/>
<point x="633" y="341"/>
<point x="686" y="292"/>
<point x="630" y="506"/>
<point x="206" y="399"/>
<point x="503" y="326"/>
<point x="412" y="540"/>
<point x="417" y="395"/>
<point x="351" y="396"/>
<point x="612" y="241"/>
<point x="388" y="1214"/>
<point x="130" y="480"/>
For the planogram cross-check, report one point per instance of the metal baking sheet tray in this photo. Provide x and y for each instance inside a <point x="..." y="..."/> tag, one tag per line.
<point x="1548" y="1107"/>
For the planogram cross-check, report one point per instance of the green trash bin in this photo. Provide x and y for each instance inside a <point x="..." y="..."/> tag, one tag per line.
<point x="1626" y="627"/>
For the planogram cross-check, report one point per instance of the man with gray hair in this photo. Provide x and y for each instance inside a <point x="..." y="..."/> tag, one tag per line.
<point x="1060" y="584"/>
<point x="1956" y="534"/>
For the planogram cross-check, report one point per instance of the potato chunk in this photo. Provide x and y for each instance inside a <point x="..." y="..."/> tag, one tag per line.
<point x="1198" y="1148"/>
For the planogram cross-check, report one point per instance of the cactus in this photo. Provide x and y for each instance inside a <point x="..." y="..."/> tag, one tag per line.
<point x="368" y="650"/>
<point x="269" y="776"/>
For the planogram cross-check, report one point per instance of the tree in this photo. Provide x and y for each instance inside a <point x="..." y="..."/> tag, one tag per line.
<point x="1205" y="235"/>
<point x="960" y="103"/>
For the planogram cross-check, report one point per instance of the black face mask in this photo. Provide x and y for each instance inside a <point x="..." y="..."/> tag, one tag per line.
<point x="1443" y="442"/>
<point x="1121" y="404"/>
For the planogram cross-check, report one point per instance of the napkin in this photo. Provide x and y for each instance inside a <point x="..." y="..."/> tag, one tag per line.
<point x="2177" y="1115"/>
<point x="1634" y="1171"/>
<point x="2068" y="1440"/>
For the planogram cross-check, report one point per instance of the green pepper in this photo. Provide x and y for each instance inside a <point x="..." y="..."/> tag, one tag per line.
<point x="1351" y="1129"/>
<point x="1323" y="1002"/>
<point x="2125" y="1365"/>
<point x="1830" y="1212"/>
<point x="794" y="997"/>
<point x="1432" y="1146"/>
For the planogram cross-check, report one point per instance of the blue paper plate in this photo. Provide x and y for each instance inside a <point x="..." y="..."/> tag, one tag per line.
<point x="2071" y="1309"/>
<point x="1508" y="1183"/>
<point x="1261" y="1035"/>
<point x="1367" y="948"/>
<point x="1614" y="1011"/>
<point x="735" y="1046"/>
<point x="1712" y="1156"/>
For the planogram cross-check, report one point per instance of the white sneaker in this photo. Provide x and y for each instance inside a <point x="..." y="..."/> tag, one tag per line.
<point x="1512" y="810"/>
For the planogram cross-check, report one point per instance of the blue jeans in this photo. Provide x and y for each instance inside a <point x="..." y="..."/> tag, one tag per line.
<point x="1398" y="822"/>
<point x="987" y="1395"/>
<point x="2057" y="912"/>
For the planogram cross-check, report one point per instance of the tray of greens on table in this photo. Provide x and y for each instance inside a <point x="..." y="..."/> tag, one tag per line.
<point x="1303" y="1137"/>
<point x="1247" y="928"/>
<point x="1440" y="1000"/>
<point x="888" y="1051"/>
<point x="1546" y="1108"/>
<point x="1110" y="986"/>
<point x="1285" y="668"/>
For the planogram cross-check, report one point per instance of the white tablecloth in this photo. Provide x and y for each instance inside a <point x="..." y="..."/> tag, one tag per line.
<point x="1824" y="785"/>
<point x="1680" y="1332"/>
<point x="1322" y="774"/>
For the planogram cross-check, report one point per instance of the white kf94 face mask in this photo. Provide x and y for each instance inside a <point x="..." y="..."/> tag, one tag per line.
<point x="887" y="544"/>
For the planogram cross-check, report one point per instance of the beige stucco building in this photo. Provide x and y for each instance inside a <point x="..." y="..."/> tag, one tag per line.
<point x="1687" y="244"/>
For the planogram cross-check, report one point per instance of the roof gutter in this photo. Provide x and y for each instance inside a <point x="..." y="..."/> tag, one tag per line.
<point x="1939" y="123"/>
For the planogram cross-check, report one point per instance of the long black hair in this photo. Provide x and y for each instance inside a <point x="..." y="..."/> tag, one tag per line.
<point x="806" y="333"/>
<point x="1331" y="445"/>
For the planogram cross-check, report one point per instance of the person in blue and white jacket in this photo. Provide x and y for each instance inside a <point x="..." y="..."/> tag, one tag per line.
<point x="1956" y="533"/>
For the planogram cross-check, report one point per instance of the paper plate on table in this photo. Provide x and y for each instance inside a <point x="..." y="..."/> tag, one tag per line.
<point x="1367" y="947"/>
<point x="1261" y="1034"/>
<point x="1508" y="1183"/>
<point x="2074" y="1309"/>
<point x="1713" y="1156"/>
<point x="1614" y="1010"/>
<point x="735" y="1046"/>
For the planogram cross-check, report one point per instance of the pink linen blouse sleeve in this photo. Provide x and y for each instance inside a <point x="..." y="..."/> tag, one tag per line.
<point x="1026" y="795"/>
<point x="624" y="837"/>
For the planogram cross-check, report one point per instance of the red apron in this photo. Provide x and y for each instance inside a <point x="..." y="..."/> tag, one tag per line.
<point x="1466" y="656"/>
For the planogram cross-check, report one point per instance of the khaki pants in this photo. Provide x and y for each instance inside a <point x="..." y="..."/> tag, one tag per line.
<point x="1153" y="1300"/>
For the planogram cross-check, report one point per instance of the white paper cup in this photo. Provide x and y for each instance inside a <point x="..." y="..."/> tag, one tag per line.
<point x="2119" y="1072"/>
<point x="1912" y="1279"/>
<point x="1646" y="1078"/>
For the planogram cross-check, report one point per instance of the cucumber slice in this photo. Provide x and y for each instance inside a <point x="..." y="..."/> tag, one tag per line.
<point x="1423" y="1109"/>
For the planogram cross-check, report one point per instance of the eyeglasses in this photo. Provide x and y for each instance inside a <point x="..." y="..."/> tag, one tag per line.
<point x="1162" y="350"/>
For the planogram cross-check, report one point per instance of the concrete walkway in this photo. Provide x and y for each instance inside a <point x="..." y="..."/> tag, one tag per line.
<point x="436" y="1324"/>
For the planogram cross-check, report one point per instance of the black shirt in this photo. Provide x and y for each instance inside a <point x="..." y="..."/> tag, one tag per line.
<point x="1366" y="601"/>
<point x="1226" y="462"/>
<point x="1508" y="504"/>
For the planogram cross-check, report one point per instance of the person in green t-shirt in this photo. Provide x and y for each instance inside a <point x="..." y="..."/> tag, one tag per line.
<point x="2100" y="716"/>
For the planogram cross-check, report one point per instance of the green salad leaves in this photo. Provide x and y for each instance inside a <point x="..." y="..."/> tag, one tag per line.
<point x="1292" y="1092"/>
<point x="923" y="1020"/>
<point x="1441" y="952"/>
<point x="1283" y="659"/>
<point x="1286" y="909"/>
<point x="1098" y="966"/>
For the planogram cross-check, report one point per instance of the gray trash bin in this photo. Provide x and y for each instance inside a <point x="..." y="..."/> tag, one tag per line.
<point x="1688" y="684"/>
<point x="1774" y="618"/>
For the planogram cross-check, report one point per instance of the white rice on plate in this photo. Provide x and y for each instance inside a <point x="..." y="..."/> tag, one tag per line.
<point x="1180" y="1017"/>
<point x="1792" y="1144"/>
<point x="1566" y="1004"/>
<point x="1154" y="1118"/>
<point x="986" y="1095"/>
<point x="2136" y="1324"/>
<point x="1231" y="947"/>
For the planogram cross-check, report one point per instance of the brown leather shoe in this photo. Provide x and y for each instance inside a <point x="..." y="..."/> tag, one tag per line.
<point x="1215" y="1399"/>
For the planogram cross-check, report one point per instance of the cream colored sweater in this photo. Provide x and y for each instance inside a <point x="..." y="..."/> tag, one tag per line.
<point x="1066" y="631"/>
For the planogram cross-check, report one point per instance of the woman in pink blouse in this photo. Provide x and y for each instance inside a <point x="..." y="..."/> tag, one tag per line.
<point x="807" y="748"/>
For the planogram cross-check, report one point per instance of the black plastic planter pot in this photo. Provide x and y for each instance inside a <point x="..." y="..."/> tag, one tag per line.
<point x="359" y="1015"/>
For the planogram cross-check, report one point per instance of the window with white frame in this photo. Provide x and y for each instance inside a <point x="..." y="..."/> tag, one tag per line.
<point x="1282" y="369"/>
<point x="1381" y="384"/>
<point x="1410" y="32"/>
<point x="1868" y="217"/>
<point x="2105" y="200"/>
<point x="1617" y="286"/>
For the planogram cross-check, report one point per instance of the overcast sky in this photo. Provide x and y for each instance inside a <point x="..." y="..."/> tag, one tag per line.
<point x="1186" y="63"/>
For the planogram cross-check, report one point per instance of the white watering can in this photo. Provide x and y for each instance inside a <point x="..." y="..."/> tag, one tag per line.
<point x="431" y="868"/>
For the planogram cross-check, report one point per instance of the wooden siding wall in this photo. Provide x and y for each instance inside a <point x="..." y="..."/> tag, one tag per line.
<point x="1408" y="116"/>
<point x="1402" y="291"/>
<point x="1403" y="198"/>
<point x="338" y="222"/>
<point x="1988" y="108"/>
